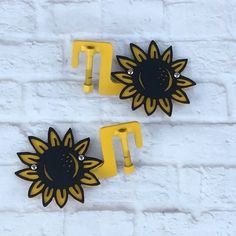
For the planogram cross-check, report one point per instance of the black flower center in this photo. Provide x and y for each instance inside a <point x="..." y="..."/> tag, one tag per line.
<point x="154" y="78"/>
<point x="59" y="167"/>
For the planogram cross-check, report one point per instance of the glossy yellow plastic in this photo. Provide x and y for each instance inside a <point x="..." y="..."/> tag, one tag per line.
<point x="109" y="167"/>
<point x="106" y="85"/>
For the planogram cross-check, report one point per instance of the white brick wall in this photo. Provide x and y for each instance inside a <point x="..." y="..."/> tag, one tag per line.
<point x="185" y="183"/>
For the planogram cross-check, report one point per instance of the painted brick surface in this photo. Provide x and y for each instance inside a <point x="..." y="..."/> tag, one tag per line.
<point x="184" y="184"/>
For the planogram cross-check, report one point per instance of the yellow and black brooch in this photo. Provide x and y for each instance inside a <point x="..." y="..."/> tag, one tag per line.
<point x="58" y="168"/>
<point x="153" y="79"/>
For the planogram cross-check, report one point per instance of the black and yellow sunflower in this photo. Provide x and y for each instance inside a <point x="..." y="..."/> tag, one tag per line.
<point x="58" y="168"/>
<point x="153" y="79"/>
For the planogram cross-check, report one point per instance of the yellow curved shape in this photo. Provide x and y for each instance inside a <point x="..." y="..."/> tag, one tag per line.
<point x="76" y="164"/>
<point x="140" y="80"/>
<point x="47" y="174"/>
<point x="170" y="82"/>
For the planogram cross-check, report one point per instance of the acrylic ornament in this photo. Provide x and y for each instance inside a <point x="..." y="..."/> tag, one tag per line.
<point x="58" y="168"/>
<point x="61" y="167"/>
<point x="152" y="79"/>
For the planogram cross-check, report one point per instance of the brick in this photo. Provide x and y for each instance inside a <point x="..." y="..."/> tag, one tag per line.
<point x="207" y="59"/>
<point x="178" y="223"/>
<point x="207" y="188"/>
<point x="230" y="18"/>
<point x="102" y="223"/>
<point x="70" y="1"/>
<point x="10" y="100"/>
<point x="53" y="102"/>
<point x="149" y="186"/>
<point x="206" y="100"/>
<point x="190" y="180"/>
<point x="84" y="16"/>
<point x="219" y="188"/>
<point x="14" y="192"/>
<point x="196" y="19"/>
<point x="17" y="16"/>
<point x="232" y="99"/>
<point x="31" y="223"/>
<point x="12" y="141"/>
<point x="132" y="17"/>
<point x="188" y="144"/>
<point x="30" y="58"/>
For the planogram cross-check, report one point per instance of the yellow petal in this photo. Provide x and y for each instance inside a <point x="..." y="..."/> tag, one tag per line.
<point x="167" y="55"/>
<point x="27" y="174"/>
<point x="184" y="82"/>
<point x="91" y="163"/>
<point x="150" y="105"/>
<point x="153" y="50"/>
<point x="39" y="145"/>
<point x="128" y="92"/>
<point x="82" y="146"/>
<point x="179" y="65"/>
<point x="180" y="96"/>
<point x="53" y="138"/>
<point x="126" y="63"/>
<point x="47" y="196"/>
<point x="137" y="101"/>
<point x="122" y="77"/>
<point x="166" y="105"/>
<point x="28" y="158"/>
<point x="138" y="53"/>
<point x="89" y="179"/>
<point x="77" y="192"/>
<point x="36" y="188"/>
<point x="68" y="140"/>
<point x="61" y="197"/>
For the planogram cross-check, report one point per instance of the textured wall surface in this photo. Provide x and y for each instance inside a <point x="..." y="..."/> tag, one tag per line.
<point x="185" y="183"/>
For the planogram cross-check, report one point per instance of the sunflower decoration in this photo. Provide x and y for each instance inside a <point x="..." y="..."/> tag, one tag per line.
<point x="153" y="79"/>
<point x="58" y="168"/>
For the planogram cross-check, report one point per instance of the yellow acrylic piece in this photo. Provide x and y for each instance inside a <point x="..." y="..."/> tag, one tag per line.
<point x="106" y="85"/>
<point x="109" y="167"/>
